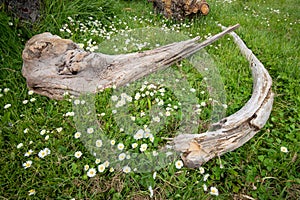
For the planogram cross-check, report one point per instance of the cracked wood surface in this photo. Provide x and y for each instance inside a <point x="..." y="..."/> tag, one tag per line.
<point x="53" y="66"/>
<point x="233" y="131"/>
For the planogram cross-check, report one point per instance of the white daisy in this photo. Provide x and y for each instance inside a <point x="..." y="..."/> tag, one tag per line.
<point x="59" y="129"/>
<point x="43" y="132"/>
<point x="47" y="151"/>
<point x="101" y="168"/>
<point x="134" y="145"/>
<point x="77" y="135"/>
<point x="146" y="134"/>
<point x="214" y="191"/>
<point x="139" y="134"/>
<point x="284" y="149"/>
<point x="7" y="106"/>
<point x="205" y="177"/>
<point x="167" y="113"/>
<point x="31" y="192"/>
<point x="178" y="164"/>
<point x="112" y="142"/>
<point x="77" y="101"/>
<point x="111" y="169"/>
<point x="137" y="96"/>
<point x="120" y="146"/>
<point x="90" y="130"/>
<point x="86" y="167"/>
<point x="156" y="119"/>
<point x="78" y="154"/>
<point x="91" y="173"/>
<point x="71" y="114"/>
<point x="201" y="169"/>
<point x="204" y="187"/>
<point x="122" y="156"/>
<point x="30" y="92"/>
<point x="151" y="138"/>
<point x="20" y="145"/>
<point x="42" y="153"/>
<point x="143" y="147"/>
<point x="27" y="164"/>
<point x="5" y="90"/>
<point x="97" y="161"/>
<point x="99" y="143"/>
<point x="106" y="163"/>
<point x="32" y="100"/>
<point x="28" y="153"/>
<point x="126" y="169"/>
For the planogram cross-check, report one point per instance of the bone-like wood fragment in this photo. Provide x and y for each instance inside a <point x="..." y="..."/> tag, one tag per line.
<point x="236" y="129"/>
<point x="53" y="66"/>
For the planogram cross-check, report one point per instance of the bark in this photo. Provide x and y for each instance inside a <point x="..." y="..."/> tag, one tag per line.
<point x="53" y="66"/>
<point x="180" y="9"/>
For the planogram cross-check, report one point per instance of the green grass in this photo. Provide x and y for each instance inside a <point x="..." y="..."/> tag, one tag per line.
<point x="258" y="169"/>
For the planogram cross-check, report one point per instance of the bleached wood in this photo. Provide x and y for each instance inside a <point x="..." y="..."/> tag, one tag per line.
<point x="233" y="131"/>
<point x="53" y="66"/>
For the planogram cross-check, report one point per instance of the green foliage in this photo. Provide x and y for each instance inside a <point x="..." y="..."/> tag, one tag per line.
<point x="261" y="169"/>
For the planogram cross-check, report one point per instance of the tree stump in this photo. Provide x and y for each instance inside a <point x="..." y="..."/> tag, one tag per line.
<point x="180" y="9"/>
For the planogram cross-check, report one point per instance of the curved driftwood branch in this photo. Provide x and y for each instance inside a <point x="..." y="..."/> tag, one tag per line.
<point x="53" y="66"/>
<point x="236" y="129"/>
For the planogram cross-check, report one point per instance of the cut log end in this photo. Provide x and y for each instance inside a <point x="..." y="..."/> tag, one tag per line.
<point x="204" y="8"/>
<point x="180" y="9"/>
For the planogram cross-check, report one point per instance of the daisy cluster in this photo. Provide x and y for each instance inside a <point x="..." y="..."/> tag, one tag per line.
<point x="144" y="140"/>
<point x="140" y="141"/>
<point x="37" y="154"/>
<point x="90" y="33"/>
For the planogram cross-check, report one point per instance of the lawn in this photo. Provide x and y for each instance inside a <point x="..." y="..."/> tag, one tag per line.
<point x="50" y="152"/>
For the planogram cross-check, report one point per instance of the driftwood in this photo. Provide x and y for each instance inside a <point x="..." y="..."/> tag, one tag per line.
<point x="52" y="66"/>
<point x="180" y="9"/>
<point x="233" y="131"/>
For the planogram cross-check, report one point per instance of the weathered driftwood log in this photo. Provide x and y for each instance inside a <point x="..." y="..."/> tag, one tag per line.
<point x="53" y="66"/>
<point x="179" y="9"/>
<point x="236" y="129"/>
